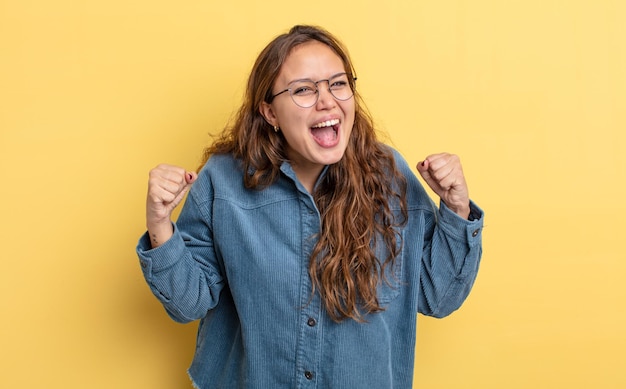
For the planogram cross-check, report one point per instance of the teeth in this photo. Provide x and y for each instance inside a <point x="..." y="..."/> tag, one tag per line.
<point x="327" y="123"/>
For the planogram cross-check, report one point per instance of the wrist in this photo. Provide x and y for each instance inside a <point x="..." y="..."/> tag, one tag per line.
<point x="462" y="210"/>
<point x="160" y="232"/>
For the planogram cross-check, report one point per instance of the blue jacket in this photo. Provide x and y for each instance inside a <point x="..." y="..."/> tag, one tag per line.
<point x="238" y="261"/>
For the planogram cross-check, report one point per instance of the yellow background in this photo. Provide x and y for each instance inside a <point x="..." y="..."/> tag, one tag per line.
<point x="531" y="94"/>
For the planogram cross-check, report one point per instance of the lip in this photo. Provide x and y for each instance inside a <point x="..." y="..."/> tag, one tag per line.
<point x="336" y="127"/>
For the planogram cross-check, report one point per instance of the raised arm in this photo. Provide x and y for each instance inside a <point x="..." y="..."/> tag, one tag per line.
<point x="453" y="249"/>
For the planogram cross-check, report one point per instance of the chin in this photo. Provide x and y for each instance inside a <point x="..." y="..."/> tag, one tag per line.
<point x="333" y="158"/>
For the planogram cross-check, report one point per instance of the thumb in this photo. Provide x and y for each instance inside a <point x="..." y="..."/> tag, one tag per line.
<point x="422" y="167"/>
<point x="190" y="177"/>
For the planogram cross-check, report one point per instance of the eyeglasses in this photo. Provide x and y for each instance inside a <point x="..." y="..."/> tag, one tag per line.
<point x="305" y="93"/>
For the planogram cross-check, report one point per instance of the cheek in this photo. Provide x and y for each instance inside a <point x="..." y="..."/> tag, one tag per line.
<point x="349" y="112"/>
<point x="291" y="118"/>
<point x="348" y="107"/>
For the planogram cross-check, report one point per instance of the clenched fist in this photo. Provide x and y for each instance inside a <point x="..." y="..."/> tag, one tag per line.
<point x="167" y="187"/>
<point x="444" y="174"/>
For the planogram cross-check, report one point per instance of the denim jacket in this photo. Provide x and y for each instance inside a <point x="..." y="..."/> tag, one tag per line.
<point x="238" y="262"/>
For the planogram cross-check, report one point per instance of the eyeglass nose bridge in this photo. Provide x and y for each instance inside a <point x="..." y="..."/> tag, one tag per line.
<point x="317" y="94"/>
<point x="317" y="90"/>
<point x="330" y="90"/>
<point x="318" y="81"/>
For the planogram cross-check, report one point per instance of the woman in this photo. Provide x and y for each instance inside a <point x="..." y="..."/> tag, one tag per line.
<point x="306" y="247"/>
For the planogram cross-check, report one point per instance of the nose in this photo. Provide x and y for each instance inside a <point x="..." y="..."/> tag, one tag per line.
<point x="325" y="99"/>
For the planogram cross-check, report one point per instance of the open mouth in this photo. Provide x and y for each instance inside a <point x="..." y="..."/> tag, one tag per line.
<point x="325" y="133"/>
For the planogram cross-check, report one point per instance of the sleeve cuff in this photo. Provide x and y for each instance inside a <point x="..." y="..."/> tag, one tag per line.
<point x="162" y="257"/>
<point x="469" y="230"/>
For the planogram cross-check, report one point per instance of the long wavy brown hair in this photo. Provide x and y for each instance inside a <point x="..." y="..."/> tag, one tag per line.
<point x="361" y="198"/>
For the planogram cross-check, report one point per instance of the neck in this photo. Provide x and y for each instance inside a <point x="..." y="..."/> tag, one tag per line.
<point x="308" y="176"/>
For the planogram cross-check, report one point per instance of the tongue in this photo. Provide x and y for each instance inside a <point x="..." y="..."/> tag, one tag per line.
<point x="325" y="136"/>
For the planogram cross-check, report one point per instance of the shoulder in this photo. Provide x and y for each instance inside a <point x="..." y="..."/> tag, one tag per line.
<point x="222" y="179"/>
<point x="417" y="197"/>
<point x="221" y="169"/>
<point x="399" y="162"/>
<point x="221" y="172"/>
<point x="220" y="163"/>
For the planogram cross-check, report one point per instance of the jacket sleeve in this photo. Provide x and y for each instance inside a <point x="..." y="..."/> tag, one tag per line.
<point x="184" y="273"/>
<point x="450" y="260"/>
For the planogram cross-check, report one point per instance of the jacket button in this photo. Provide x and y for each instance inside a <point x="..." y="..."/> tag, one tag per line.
<point x="311" y="322"/>
<point x="308" y="375"/>
<point x="144" y="264"/>
<point x="475" y="233"/>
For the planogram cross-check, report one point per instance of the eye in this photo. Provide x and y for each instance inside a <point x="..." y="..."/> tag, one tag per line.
<point x="303" y="90"/>
<point x="338" y="84"/>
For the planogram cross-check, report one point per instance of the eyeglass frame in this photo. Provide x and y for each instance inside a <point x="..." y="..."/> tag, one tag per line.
<point x="351" y="82"/>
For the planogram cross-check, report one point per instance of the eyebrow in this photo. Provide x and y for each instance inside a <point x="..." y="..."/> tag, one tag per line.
<point x="308" y="79"/>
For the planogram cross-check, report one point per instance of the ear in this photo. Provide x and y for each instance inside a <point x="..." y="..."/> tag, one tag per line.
<point x="267" y="112"/>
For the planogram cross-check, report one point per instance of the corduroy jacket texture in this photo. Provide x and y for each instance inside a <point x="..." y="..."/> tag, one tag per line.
<point x="238" y="262"/>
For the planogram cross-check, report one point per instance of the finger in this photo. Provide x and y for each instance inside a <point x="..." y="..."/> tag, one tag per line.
<point x="169" y="172"/>
<point x="434" y="158"/>
<point x="442" y="172"/>
<point x="437" y="161"/>
<point x="434" y="162"/>
<point x="191" y="177"/>
<point x="423" y="169"/>
<point x="177" y="184"/>
<point x="176" y="177"/>
<point x="182" y="194"/>
<point x="422" y="166"/>
<point x="161" y="202"/>
<point x="160" y="196"/>
<point x="448" y="182"/>
<point x="171" y="178"/>
<point x="435" y="167"/>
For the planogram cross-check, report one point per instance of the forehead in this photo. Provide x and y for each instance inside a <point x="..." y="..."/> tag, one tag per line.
<point x="313" y="60"/>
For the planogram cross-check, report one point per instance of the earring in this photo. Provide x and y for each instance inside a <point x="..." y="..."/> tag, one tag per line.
<point x="276" y="128"/>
